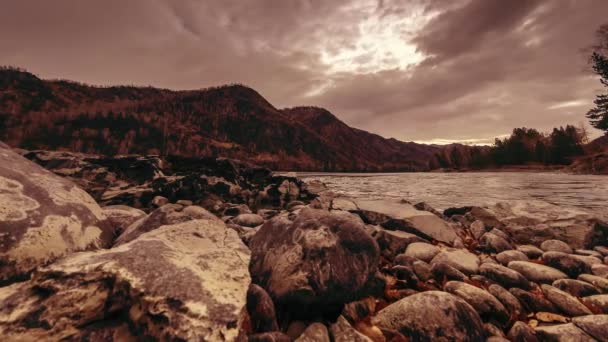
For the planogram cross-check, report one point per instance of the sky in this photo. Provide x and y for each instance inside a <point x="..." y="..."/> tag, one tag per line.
<point x="433" y="71"/>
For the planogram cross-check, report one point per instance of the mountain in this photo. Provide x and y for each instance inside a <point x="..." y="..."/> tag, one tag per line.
<point x="232" y="121"/>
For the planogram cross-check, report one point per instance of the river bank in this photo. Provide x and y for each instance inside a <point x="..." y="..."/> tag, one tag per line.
<point x="136" y="247"/>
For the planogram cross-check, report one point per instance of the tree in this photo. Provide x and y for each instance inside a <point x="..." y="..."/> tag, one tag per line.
<point x="598" y="116"/>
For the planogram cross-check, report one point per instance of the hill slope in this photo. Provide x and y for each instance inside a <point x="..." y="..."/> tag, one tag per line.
<point x="232" y="121"/>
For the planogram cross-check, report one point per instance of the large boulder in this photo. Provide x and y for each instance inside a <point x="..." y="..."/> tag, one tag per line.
<point x="319" y="260"/>
<point x="405" y="217"/>
<point x="43" y="217"/>
<point x="186" y="281"/>
<point x="432" y="316"/>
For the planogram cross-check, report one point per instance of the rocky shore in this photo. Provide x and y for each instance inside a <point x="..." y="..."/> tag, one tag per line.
<point x="204" y="249"/>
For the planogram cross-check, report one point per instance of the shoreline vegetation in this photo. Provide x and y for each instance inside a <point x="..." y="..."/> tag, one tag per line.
<point x="174" y="248"/>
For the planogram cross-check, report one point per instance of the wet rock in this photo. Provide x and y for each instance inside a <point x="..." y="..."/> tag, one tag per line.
<point x="315" y="332"/>
<point x="442" y="271"/>
<point x="576" y="288"/>
<point x="43" y="217"/>
<point x="504" y="276"/>
<point x="595" y="326"/>
<point x="599" y="282"/>
<point x="565" y="302"/>
<point x="600" y="270"/>
<point x="432" y="316"/>
<point x="421" y="250"/>
<point x="119" y="217"/>
<point x="318" y="261"/>
<point x="599" y="303"/>
<point x="261" y="310"/>
<point x="566" y="263"/>
<point x="404" y="217"/>
<point x="488" y="307"/>
<point x="248" y="220"/>
<point x="556" y="246"/>
<point x="462" y="260"/>
<point x="393" y="242"/>
<point x="521" y="332"/>
<point x="530" y="251"/>
<point x="509" y="301"/>
<point x="275" y="336"/>
<point x="533" y="302"/>
<point x="166" y="215"/>
<point x="181" y="282"/>
<point x="342" y="331"/>
<point x="536" y="272"/>
<point x="513" y="255"/>
<point x="422" y="270"/>
<point x="493" y="243"/>
<point x="562" y="333"/>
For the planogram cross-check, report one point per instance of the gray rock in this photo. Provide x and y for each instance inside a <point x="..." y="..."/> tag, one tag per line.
<point x="493" y="243"/>
<point x="442" y="271"/>
<point x="536" y="272"/>
<point x="261" y="310"/>
<point x="599" y="282"/>
<point x="403" y="216"/>
<point x="119" y="217"/>
<point x="512" y="255"/>
<point x="421" y="250"/>
<point x="562" y="333"/>
<point x="521" y="332"/>
<point x="432" y="316"/>
<point x="342" y="331"/>
<point x="567" y="263"/>
<point x="565" y="302"/>
<point x="530" y="251"/>
<point x="576" y="288"/>
<point x="507" y="299"/>
<point x="556" y="246"/>
<point x="600" y="270"/>
<point x="488" y="307"/>
<point x="595" y="326"/>
<point x="315" y="332"/>
<point x="43" y="217"/>
<point x="504" y="276"/>
<point x="248" y="220"/>
<point x="166" y="215"/>
<point x="598" y="302"/>
<point x="181" y="282"/>
<point x="533" y="302"/>
<point x="460" y="259"/>
<point x="393" y="242"/>
<point x="320" y="260"/>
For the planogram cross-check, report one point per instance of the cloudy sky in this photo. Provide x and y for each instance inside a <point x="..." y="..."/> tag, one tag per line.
<point x="430" y="71"/>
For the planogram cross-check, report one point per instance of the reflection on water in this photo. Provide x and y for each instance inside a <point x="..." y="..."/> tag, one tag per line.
<point x="443" y="190"/>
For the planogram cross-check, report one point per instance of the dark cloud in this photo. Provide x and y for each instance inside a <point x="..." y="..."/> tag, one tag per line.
<point x="477" y="68"/>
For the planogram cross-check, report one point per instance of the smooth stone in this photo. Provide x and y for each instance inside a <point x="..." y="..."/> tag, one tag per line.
<point x="483" y="302"/>
<point x="493" y="331"/>
<point x="274" y="336"/>
<point x="406" y="274"/>
<point x="536" y="272"/>
<point x="512" y="255"/>
<point x="493" y="243"/>
<point x="393" y="242"/>
<point x="507" y="299"/>
<point x="295" y="328"/>
<point x="565" y="302"/>
<point x="497" y="339"/>
<point x="594" y="325"/>
<point x="316" y="332"/>
<point x="477" y="228"/>
<point x="567" y="263"/>
<point x="422" y="270"/>
<point x="119" y="217"/>
<point x="248" y="220"/>
<point x="405" y="260"/>
<point x="261" y="310"/>
<point x="521" y="332"/>
<point x="421" y="250"/>
<point x="460" y="259"/>
<point x="159" y="201"/>
<point x="530" y="251"/>
<point x="599" y="282"/>
<point x="598" y="303"/>
<point x="532" y="302"/>
<point x="556" y="246"/>
<point x="603" y="250"/>
<point x="432" y="316"/>
<point x="442" y="271"/>
<point x="588" y="252"/>
<point x="341" y="203"/>
<point x="562" y="333"/>
<point x="600" y="270"/>
<point x="504" y="276"/>
<point x="342" y="331"/>
<point x="577" y="288"/>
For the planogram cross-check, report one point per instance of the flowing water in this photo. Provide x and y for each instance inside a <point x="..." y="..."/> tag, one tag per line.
<point x="443" y="190"/>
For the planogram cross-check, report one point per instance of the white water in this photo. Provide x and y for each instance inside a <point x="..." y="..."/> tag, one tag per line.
<point x="443" y="190"/>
